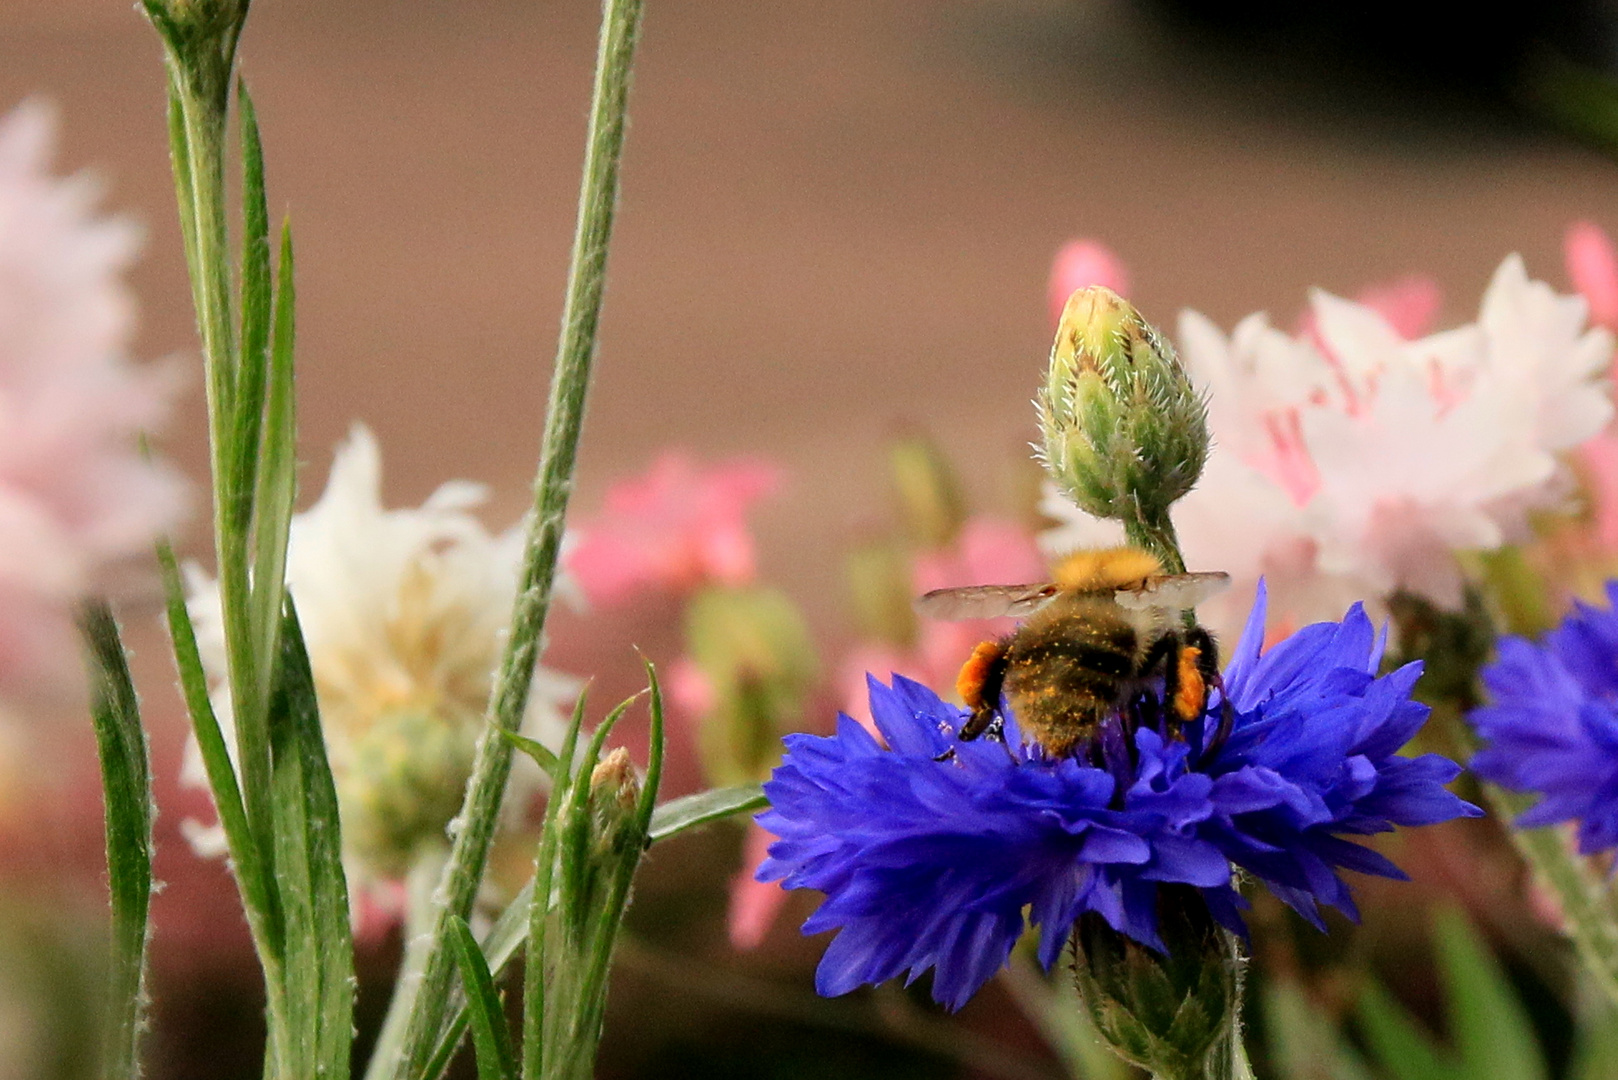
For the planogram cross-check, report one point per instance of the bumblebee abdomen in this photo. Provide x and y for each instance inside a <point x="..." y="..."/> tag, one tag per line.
<point x="1063" y="679"/>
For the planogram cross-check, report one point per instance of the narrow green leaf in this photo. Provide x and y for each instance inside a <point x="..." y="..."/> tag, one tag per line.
<point x="258" y="893"/>
<point x="1491" y="1030"/>
<point x="654" y="753"/>
<point x="1402" y="1049"/>
<point x="538" y="751"/>
<point x="319" y="969"/>
<point x="1595" y="1050"/>
<point x="690" y="811"/>
<point x="277" y="469"/>
<point x="180" y="160"/>
<point x="126" y="784"/>
<point x="538" y="908"/>
<point x="501" y="945"/>
<point x="248" y="407"/>
<point x="1303" y="1044"/>
<point x="443" y="1055"/>
<point x="490" y="1036"/>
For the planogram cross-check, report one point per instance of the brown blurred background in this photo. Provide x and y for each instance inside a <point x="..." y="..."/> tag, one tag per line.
<point x="837" y="218"/>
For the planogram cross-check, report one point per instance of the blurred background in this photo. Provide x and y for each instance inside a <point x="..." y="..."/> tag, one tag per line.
<point x="837" y="223"/>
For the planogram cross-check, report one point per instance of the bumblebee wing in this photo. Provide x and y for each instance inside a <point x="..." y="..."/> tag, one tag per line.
<point x="1178" y="592"/>
<point x="984" y="601"/>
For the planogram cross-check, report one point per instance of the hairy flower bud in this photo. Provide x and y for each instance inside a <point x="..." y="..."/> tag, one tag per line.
<point x="1125" y="433"/>
<point x="1171" y="1013"/>
<point x="614" y="805"/>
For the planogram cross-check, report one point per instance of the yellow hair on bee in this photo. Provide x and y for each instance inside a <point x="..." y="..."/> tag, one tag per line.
<point x="1096" y="569"/>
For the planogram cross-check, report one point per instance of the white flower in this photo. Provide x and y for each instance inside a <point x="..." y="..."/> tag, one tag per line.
<point x="78" y="502"/>
<point x="1350" y="462"/>
<point x="404" y="613"/>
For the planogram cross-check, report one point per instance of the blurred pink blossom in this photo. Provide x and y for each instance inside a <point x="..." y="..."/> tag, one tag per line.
<point x="674" y="527"/>
<point x="691" y="690"/>
<point x="1592" y="266"/>
<point x="753" y="903"/>
<point x="1080" y="263"/>
<point x="1408" y="304"/>
<point x="1600" y="456"/>
<point x="78" y="502"/>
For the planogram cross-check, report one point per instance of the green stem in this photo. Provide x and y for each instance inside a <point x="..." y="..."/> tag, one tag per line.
<point x="420" y="917"/>
<point x="564" y="418"/>
<point x="1583" y="892"/>
<point x="1157" y="536"/>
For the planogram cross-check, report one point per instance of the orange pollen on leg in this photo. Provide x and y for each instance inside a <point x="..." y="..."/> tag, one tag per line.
<point x="969" y="683"/>
<point x="1192" y="693"/>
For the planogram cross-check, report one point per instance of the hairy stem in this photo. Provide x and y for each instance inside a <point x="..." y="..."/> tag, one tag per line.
<point x="570" y="381"/>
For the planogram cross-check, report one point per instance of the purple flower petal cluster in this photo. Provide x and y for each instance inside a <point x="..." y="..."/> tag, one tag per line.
<point x="1552" y="723"/>
<point x="930" y="850"/>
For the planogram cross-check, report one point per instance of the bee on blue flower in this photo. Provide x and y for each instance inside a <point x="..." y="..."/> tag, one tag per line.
<point x="930" y="849"/>
<point x="1552" y="723"/>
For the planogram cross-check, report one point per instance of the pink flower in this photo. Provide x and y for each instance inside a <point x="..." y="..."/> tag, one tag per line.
<point x="1080" y="263"/>
<point x="675" y="527"/>
<point x="753" y="904"/>
<point x="1592" y="266"/>
<point x="78" y="502"/>
<point x="1600" y="456"/>
<point x="1409" y="305"/>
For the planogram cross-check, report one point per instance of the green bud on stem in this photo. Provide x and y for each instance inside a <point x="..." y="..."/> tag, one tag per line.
<point x="932" y="505"/>
<point x="1174" y="1013"/>
<point x="1125" y="434"/>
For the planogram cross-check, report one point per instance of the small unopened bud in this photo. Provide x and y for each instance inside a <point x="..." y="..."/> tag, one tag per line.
<point x="879" y="584"/>
<point x="1125" y="432"/>
<point x="754" y="648"/>
<point x="931" y="502"/>
<point x="614" y="803"/>
<point x="1170" y="1013"/>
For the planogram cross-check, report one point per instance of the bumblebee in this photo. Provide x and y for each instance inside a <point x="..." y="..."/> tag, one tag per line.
<point x="1092" y="644"/>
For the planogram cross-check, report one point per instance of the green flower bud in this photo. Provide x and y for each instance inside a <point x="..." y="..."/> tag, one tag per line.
<point x="1125" y="432"/>
<point x="1171" y="1014"/>
<point x="880" y="586"/>
<point x="754" y="651"/>
<point x="931" y="503"/>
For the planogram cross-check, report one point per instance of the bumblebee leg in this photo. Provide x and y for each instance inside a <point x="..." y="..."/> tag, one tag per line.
<point x="1208" y="667"/>
<point x="980" y="682"/>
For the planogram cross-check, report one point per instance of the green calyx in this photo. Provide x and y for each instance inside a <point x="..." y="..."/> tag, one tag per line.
<point x="1172" y="1013"/>
<point x="1125" y="434"/>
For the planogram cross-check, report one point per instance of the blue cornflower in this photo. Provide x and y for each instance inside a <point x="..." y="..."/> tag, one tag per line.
<point x="1552" y="724"/>
<point x="930" y="863"/>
